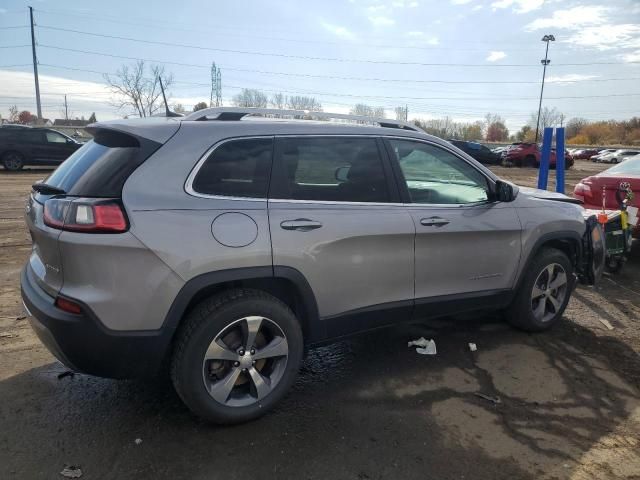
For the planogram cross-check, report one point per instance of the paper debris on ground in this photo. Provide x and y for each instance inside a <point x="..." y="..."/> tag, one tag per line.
<point x="71" y="472"/>
<point x="494" y="400"/>
<point x="473" y="347"/>
<point x="138" y="441"/>
<point x="606" y="323"/>
<point x="425" y="347"/>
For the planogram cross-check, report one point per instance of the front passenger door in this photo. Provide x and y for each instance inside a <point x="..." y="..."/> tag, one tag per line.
<point x="466" y="245"/>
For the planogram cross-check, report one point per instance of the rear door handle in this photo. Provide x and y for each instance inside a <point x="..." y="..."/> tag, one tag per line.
<point x="300" y="224"/>
<point x="434" y="222"/>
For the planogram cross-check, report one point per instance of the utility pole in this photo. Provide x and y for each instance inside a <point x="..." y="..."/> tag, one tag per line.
<point x="545" y="62"/>
<point x="35" y="66"/>
<point x="406" y="113"/>
<point x="66" y="108"/>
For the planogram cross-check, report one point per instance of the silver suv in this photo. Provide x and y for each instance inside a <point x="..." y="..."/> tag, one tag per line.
<point x="222" y="244"/>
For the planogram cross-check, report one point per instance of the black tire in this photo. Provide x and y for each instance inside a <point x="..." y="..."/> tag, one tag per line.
<point x="13" y="161"/>
<point x="204" y="324"/>
<point x="521" y="311"/>
<point x="529" y="161"/>
<point x="614" y="264"/>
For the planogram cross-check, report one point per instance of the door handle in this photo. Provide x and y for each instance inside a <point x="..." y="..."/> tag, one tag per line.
<point x="300" y="224"/>
<point x="434" y="222"/>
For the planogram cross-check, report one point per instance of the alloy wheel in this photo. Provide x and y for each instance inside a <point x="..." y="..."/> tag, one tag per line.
<point x="12" y="161"/>
<point x="549" y="292"/>
<point x="245" y="361"/>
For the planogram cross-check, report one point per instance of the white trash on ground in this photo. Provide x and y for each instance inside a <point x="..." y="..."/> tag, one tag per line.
<point x="473" y="347"/>
<point x="70" y="471"/>
<point x="425" y="347"/>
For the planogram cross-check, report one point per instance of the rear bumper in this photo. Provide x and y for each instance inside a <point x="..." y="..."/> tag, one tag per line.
<point x="84" y="345"/>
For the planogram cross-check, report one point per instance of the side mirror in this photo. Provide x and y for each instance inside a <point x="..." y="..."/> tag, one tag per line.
<point x="342" y="173"/>
<point x="504" y="192"/>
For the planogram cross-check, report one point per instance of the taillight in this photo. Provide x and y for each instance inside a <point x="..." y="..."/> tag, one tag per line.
<point x="582" y="190"/>
<point x="85" y="215"/>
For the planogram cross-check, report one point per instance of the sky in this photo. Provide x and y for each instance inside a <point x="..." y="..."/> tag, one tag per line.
<point x="456" y="58"/>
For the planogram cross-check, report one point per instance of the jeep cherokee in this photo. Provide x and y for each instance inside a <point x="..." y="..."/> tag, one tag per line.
<point x="222" y="244"/>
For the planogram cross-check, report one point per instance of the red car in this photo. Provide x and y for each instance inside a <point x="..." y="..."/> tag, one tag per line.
<point x="528" y="155"/>
<point x="585" y="154"/>
<point x="623" y="176"/>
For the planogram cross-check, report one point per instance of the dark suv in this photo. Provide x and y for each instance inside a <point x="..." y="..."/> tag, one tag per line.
<point x="478" y="151"/>
<point x="20" y="146"/>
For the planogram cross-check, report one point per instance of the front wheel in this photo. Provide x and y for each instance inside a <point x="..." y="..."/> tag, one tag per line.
<point x="236" y="355"/>
<point x="544" y="292"/>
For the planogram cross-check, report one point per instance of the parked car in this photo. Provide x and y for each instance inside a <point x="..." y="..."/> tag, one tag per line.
<point x="478" y="151"/>
<point x="223" y="246"/>
<point x="620" y="155"/>
<point x="602" y="154"/>
<point x="584" y="154"/>
<point x="625" y="175"/>
<point x="523" y="154"/>
<point x="20" y="146"/>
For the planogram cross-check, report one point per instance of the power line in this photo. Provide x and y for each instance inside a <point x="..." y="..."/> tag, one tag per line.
<point x="212" y="32"/>
<point x="14" y="46"/>
<point x="327" y="59"/>
<point x="332" y="77"/>
<point x="10" y="27"/>
<point x="370" y="96"/>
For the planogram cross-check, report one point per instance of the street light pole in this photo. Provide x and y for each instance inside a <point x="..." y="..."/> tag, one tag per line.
<point x="545" y="62"/>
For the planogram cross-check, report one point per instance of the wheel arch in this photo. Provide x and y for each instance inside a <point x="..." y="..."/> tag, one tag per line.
<point x="285" y="283"/>
<point x="568" y="242"/>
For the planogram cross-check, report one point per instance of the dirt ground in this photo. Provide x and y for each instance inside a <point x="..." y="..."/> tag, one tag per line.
<point x="558" y="405"/>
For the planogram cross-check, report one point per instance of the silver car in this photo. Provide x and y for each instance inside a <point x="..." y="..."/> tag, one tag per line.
<point x="224" y="243"/>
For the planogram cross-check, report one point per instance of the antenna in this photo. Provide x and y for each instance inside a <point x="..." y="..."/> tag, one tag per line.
<point x="168" y="112"/>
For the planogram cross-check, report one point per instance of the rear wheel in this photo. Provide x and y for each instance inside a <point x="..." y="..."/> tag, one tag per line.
<point x="529" y="161"/>
<point x="236" y="356"/>
<point x="13" y="161"/>
<point x="544" y="292"/>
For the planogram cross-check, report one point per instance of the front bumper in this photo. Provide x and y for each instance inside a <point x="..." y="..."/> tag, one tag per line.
<point x="84" y="344"/>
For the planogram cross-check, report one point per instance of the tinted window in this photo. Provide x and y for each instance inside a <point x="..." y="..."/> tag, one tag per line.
<point x="31" y="136"/>
<point x="338" y="169"/>
<point x="237" y="168"/>
<point x="100" y="167"/>
<point x="436" y="176"/>
<point x="55" y="137"/>
<point x="630" y="167"/>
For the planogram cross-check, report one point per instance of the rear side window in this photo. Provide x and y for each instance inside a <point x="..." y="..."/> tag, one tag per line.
<point x="100" y="167"/>
<point x="237" y="168"/>
<point x="338" y="169"/>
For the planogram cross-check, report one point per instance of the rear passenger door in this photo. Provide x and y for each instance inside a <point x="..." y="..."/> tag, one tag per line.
<point x="57" y="146"/>
<point x="335" y="217"/>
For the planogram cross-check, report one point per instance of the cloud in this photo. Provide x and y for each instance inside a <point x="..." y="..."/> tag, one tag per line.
<point x="477" y="7"/>
<point x="337" y="30"/>
<point x="381" y="21"/>
<point x="404" y="4"/>
<point x="519" y="6"/>
<point x="461" y="2"/>
<point x="495" y="56"/>
<point x="573" y="18"/>
<point x="570" y="77"/>
<point x="418" y="35"/>
<point x="608" y="36"/>
<point x="631" y="57"/>
<point x="3" y="11"/>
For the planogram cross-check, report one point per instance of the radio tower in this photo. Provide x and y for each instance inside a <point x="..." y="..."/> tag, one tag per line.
<point x="215" y="99"/>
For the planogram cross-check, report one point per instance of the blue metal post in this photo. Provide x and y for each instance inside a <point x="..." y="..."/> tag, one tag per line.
<point x="543" y="174"/>
<point x="560" y="160"/>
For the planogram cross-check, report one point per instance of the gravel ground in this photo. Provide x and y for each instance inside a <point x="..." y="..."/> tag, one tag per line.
<point x="562" y="404"/>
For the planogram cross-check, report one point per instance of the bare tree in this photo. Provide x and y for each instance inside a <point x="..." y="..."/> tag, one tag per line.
<point x="178" y="108"/>
<point x="367" y="111"/>
<point x="401" y="113"/>
<point x="549" y="117"/>
<point x="250" y="97"/>
<point x="278" y="100"/>
<point x="13" y="114"/>
<point x="136" y="93"/>
<point x="299" y="102"/>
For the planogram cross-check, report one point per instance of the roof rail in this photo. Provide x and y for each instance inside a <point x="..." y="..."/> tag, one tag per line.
<point x="237" y="113"/>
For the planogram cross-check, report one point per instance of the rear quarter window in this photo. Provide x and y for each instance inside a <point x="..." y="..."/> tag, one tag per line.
<point x="236" y="168"/>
